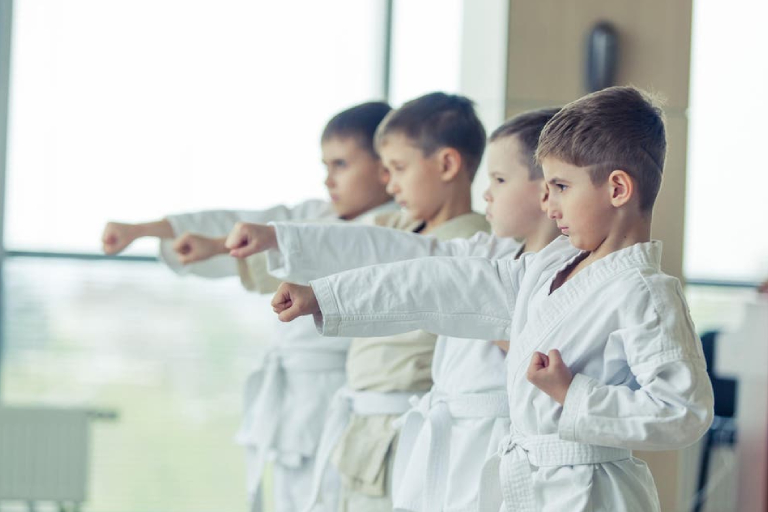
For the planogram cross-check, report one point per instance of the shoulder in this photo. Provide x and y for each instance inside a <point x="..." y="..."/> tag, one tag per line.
<point x="395" y="220"/>
<point x="314" y="209"/>
<point x="463" y="226"/>
<point x="663" y="291"/>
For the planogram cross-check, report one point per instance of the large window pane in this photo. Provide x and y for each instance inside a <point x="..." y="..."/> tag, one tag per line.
<point x="132" y="109"/>
<point x="726" y="211"/>
<point x="169" y="355"/>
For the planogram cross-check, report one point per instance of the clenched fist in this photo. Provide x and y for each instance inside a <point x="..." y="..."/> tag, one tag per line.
<point x="550" y="374"/>
<point x="191" y="248"/>
<point x="246" y="239"/>
<point x="293" y="300"/>
<point x="117" y="236"/>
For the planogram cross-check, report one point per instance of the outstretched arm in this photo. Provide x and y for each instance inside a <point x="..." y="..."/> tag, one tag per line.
<point x="302" y="252"/>
<point x="117" y="236"/>
<point x="461" y="297"/>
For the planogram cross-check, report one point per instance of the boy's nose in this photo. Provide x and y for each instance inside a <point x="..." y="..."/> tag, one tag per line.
<point x="392" y="187"/>
<point x="487" y="196"/>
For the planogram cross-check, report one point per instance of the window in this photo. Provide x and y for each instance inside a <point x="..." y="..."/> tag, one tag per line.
<point x="129" y="111"/>
<point x="726" y="170"/>
<point x="426" y="48"/>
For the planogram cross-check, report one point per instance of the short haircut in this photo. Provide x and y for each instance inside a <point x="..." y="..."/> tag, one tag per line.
<point x="438" y="120"/>
<point x="527" y="127"/>
<point x="358" y="122"/>
<point x="619" y="128"/>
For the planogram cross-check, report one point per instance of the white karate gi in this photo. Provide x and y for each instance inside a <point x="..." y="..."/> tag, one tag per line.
<point x="623" y="328"/>
<point x="449" y="434"/>
<point x="383" y="374"/>
<point x="287" y="397"/>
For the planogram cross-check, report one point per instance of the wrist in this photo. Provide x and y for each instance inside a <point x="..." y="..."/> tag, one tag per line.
<point x="562" y="391"/>
<point x="220" y="246"/>
<point x="271" y="242"/>
<point x="159" y="229"/>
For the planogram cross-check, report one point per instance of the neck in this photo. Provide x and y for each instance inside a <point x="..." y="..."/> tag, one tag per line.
<point x="374" y="204"/>
<point x="542" y="235"/>
<point x="626" y="233"/>
<point x="458" y="203"/>
<point x="632" y="231"/>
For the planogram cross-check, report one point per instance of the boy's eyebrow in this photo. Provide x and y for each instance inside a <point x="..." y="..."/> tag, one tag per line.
<point x="556" y="179"/>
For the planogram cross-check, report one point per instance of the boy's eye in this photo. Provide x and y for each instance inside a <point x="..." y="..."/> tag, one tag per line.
<point x="561" y="187"/>
<point x="499" y="180"/>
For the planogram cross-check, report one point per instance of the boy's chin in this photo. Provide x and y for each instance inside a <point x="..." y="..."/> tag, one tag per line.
<point x="416" y="215"/>
<point x="341" y="212"/>
<point x="579" y="243"/>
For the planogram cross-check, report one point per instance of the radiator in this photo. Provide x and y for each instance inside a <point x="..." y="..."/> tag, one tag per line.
<point x="44" y="454"/>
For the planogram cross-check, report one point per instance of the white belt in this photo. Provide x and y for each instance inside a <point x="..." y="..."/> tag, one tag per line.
<point x="507" y="476"/>
<point x="264" y="395"/>
<point x="346" y="402"/>
<point x="439" y="410"/>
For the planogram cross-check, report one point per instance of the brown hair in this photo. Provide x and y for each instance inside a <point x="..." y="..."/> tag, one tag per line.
<point x="616" y="128"/>
<point x="439" y="120"/>
<point x="359" y="122"/>
<point x="527" y="127"/>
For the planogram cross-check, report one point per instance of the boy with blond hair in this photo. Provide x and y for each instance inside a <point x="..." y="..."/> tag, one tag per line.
<point x="603" y="356"/>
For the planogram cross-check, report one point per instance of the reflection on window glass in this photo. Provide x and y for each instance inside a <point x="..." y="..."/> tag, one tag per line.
<point x="131" y="110"/>
<point x="170" y="355"/>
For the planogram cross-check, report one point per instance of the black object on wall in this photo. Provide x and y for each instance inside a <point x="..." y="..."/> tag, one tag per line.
<point x="602" y="56"/>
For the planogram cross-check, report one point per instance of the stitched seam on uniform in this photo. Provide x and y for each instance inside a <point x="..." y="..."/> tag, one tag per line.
<point x="571" y="413"/>
<point x="331" y="321"/>
<point x="668" y="356"/>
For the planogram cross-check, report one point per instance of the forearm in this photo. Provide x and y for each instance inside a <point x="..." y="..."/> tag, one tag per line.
<point x="462" y="297"/>
<point x="159" y="229"/>
<point x="311" y="251"/>
<point x="671" y="411"/>
<point x="215" y="264"/>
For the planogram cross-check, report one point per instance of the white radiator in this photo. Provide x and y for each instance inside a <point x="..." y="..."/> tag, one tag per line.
<point x="44" y="454"/>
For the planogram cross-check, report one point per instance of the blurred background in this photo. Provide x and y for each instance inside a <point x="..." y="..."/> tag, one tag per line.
<point x="129" y="110"/>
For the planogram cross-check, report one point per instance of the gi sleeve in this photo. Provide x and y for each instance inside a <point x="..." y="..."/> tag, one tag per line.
<point x="460" y="297"/>
<point x="218" y="223"/>
<point x="312" y="251"/>
<point x="673" y="404"/>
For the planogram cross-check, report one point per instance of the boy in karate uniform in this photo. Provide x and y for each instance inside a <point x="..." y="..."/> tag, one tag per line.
<point x="450" y="432"/>
<point x="432" y="147"/>
<point x="603" y="355"/>
<point x="287" y="397"/>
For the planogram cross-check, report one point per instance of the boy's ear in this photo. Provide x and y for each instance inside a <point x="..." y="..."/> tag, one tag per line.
<point x="543" y="195"/>
<point x="382" y="174"/>
<point x="449" y="160"/>
<point x="621" y="187"/>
